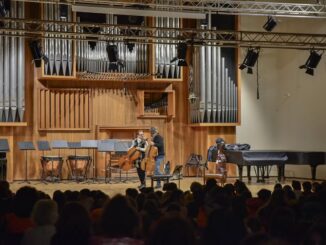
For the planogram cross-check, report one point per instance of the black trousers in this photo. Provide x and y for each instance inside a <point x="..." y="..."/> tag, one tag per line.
<point x="141" y="175"/>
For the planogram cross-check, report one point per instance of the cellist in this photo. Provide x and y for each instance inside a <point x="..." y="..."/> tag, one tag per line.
<point x="141" y="144"/>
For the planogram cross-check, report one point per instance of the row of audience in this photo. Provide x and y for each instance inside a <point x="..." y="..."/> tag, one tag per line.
<point x="206" y="214"/>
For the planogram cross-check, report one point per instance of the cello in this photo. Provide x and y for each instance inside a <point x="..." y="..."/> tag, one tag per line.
<point x="126" y="162"/>
<point x="148" y="163"/>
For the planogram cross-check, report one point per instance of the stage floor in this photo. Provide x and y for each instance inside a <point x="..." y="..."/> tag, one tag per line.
<point x="120" y="187"/>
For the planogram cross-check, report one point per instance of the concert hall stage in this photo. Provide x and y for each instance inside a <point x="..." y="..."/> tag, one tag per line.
<point x="115" y="188"/>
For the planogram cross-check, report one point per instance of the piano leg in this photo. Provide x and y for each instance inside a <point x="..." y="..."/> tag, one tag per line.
<point x="313" y="171"/>
<point x="280" y="173"/>
<point x="248" y="173"/>
<point x="240" y="168"/>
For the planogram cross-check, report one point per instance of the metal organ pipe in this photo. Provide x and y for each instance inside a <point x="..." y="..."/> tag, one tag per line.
<point x="13" y="69"/>
<point x="21" y="68"/>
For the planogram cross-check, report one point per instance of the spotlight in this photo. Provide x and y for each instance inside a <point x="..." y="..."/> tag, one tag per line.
<point x="250" y="60"/>
<point x="4" y="7"/>
<point x="312" y="62"/>
<point x="63" y="10"/>
<point x="270" y="24"/>
<point x="181" y="54"/>
<point x="37" y="53"/>
<point x="113" y="55"/>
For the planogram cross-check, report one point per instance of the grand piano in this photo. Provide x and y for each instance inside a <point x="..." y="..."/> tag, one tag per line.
<point x="262" y="161"/>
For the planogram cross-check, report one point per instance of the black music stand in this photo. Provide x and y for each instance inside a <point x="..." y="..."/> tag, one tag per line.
<point x="4" y="148"/>
<point x="26" y="146"/>
<point x="91" y="144"/>
<point x="44" y="146"/>
<point x="107" y="146"/>
<point x="58" y="144"/>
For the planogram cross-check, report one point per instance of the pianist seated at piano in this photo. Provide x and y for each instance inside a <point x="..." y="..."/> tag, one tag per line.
<point x="217" y="161"/>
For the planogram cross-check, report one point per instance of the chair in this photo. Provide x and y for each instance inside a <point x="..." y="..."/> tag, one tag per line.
<point x="220" y="173"/>
<point x="195" y="161"/>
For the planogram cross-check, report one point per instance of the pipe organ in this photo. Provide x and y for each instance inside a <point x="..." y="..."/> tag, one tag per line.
<point x="12" y="71"/>
<point x="212" y="84"/>
<point x="164" y="53"/>
<point x="58" y="51"/>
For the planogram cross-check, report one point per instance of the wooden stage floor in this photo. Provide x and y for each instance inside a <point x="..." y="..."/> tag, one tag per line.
<point x="119" y="187"/>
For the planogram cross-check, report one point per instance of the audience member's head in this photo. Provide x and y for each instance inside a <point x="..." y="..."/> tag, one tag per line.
<point x="223" y="227"/>
<point x="4" y="189"/>
<point x="211" y="183"/>
<point x="74" y="225"/>
<point x="264" y="194"/>
<point x="24" y="201"/>
<point x="172" y="230"/>
<point x="45" y="212"/>
<point x="307" y="187"/>
<point x="195" y="187"/>
<point x="296" y="185"/>
<point x="277" y="186"/>
<point x="132" y="193"/>
<point x="119" y="219"/>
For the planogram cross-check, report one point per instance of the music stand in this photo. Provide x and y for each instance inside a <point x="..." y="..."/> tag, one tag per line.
<point x="107" y="146"/>
<point x="26" y="146"/>
<point x="58" y="144"/>
<point x="4" y="148"/>
<point x="91" y="144"/>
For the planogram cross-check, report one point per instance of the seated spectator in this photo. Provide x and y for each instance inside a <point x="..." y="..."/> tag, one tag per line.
<point x="18" y="221"/>
<point x="296" y="185"/>
<point x="73" y="227"/>
<point x="172" y="230"/>
<point x="119" y="224"/>
<point x="44" y="216"/>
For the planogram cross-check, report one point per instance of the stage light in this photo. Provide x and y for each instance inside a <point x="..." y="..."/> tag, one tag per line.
<point x="63" y="10"/>
<point x="37" y="53"/>
<point x="250" y="60"/>
<point x="181" y="54"/>
<point x="270" y="24"/>
<point x="113" y="56"/>
<point x="4" y="7"/>
<point x="312" y="62"/>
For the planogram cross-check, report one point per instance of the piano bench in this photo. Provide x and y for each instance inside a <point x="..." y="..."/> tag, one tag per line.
<point x="164" y="177"/>
<point x="221" y="177"/>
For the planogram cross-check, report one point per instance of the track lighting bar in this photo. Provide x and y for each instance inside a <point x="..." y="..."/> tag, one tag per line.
<point x="118" y="33"/>
<point x="315" y="9"/>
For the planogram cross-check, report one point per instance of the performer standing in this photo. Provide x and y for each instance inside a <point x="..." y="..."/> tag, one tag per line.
<point x="157" y="140"/>
<point x="221" y="159"/>
<point x="141" y="144"/>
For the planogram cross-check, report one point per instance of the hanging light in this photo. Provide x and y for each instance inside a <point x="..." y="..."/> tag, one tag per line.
<point x="312" y="62"/>
<point x="181" y="54"/>
<point x="270" y="24"/>
<point x="250" y="59"/>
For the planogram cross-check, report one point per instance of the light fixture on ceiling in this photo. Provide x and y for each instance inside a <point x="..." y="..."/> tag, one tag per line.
<point x="250" y="59"/>
<point x="113" y="55"/>
<point x="270" y="24"/>
<point x="312" y="62"/>
<point x="37" y="53"/>
<point x="181" y="54"/>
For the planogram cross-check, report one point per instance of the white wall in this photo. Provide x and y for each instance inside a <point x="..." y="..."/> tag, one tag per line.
<point x="291" y="111"/>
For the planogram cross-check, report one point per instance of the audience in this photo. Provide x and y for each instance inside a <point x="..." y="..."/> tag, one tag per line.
<point x="44" y="216"/>
<point x="206" y="214"/>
